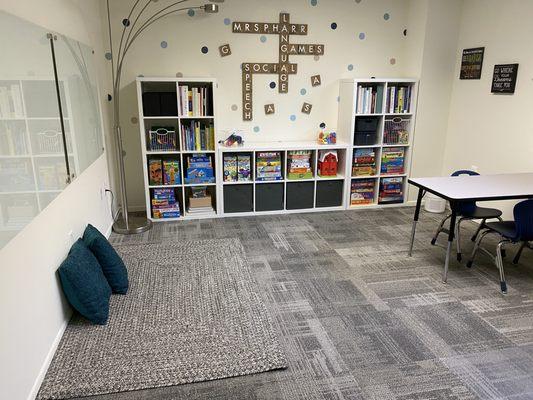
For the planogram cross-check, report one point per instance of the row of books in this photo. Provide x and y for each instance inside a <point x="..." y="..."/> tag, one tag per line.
<point x="197" y="136"/>
<point x="12" y="139"/>
<point x="194" y="101"/>
<point x="164" y="172"/>
<point x="370" y="99"/>
<point x="393" y="160"/>
<point x="299" y="164"/>
<point x="11" y="102"/>
<point x="237" y="168"/>
<point x="364" y="162"/>
<point x="164" y="204"/>
<point x="269" y="166"/>
<point x="398" y="99"/>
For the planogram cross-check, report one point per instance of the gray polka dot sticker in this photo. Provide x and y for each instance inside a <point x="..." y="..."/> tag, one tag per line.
<point x="256" y="129"/>
<point x="234" y="107"/>
<point x="303" y="92"/>
<point x="350" y="67"/>
<point x="314" y="2"/>
<point x="190" y="13"/>
<point x="292" y="117"/>
<point x="134" y="120"/>
<point x="227" y="21"/>
<point x="179" y="74"/>
<point x="204" y="50"/>
<point x="108" y="56"/>
<point x="386" y="16"/>
<point x="316" y="57"/>
<point x="362" y="36"/>
<point x="263" y="38"/>
<point x="164" y="44"/>
<point x="392" y="61"/>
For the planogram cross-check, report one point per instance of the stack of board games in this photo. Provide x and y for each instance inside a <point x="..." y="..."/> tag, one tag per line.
<point x="199" y="201"/>
<point x="237" y="168"/>
<point x="299" y="164"/>
<point x="392" y="160"/>
<point x="362" y="191"/>
<point x="269" y="166"/>
<point x="364" y="162"/>
<point x="391" y="190"/>
<point x="171" y="172"/>
<point x="164" y="204"/>
<point x="199" y="169"/>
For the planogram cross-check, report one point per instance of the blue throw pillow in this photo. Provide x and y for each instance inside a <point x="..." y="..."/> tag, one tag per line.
<point x="84" y="284"/>
<point x="112" y="265"/>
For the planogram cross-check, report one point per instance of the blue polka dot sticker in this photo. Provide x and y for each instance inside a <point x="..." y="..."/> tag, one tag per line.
<point x="362" y="36"/>
<point x="314" y="2"/>
<point x="333" y="25"/>
<point x="350" y="67"/>
<point x="227" y="21"/>
<point x="190" y="13"/>
<point x="272" y="85"/>
<point x="386" y="16"/>
<point x="292" y="117"/>
<point x="205" y="49"/>
<point x="303" y="92"/>
<point x="108" y="56"/>
<point x="263" y="38"/>
<point x="164" y="44"/>
<point x="256" y="129"/>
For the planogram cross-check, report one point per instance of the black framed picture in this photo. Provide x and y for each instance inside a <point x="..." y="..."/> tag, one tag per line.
<point x="471" y="63"/>
<point x="504" y="78"/>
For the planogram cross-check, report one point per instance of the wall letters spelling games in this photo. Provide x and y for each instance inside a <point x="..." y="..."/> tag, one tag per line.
<point x="283" y="68"/>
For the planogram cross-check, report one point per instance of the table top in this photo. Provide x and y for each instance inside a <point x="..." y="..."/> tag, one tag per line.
<point x="479" y="187"/>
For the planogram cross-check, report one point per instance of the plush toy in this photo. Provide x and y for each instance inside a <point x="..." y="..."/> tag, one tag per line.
<point x="232" y="140"/>
<point x="327" y="137"/>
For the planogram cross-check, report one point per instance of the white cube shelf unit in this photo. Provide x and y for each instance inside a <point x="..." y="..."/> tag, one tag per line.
<point x="378" y="115"/>
<point x="168" y="134"/>
<point x="287" y="194"/>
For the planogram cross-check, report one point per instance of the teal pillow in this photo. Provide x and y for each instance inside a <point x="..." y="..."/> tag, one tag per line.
<point x="112" y="265"/>
<point x="84" y="284"/>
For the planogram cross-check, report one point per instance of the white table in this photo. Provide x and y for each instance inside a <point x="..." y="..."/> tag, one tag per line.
<point x="462" y="188"/>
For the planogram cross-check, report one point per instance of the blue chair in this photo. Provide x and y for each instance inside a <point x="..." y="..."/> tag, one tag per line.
<point x="518" y="231"/>
<point x="467" y="211"/>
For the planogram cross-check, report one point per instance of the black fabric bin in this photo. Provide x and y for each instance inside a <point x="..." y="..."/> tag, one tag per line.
<point x="269" y="197"/>
<point x="300" y="195"/>
<point x="329" y="193"/>
<point x="238" y="198"/>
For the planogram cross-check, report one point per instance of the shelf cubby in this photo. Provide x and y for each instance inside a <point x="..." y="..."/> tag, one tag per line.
<point x="300" y="195"/>
<point x="239" y="198"/>
<point x="269" y="197"/>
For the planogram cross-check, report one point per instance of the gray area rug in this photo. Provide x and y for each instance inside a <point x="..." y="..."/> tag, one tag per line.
<point x="192" y="314"/>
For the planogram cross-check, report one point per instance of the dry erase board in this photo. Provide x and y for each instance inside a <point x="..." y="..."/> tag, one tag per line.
<point x="504" y="78"/>
<point x="471" y="63"/>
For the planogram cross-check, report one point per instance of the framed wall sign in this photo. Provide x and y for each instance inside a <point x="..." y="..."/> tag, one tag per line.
<point x="471" y="63"/>
<point x="504" y="78"/>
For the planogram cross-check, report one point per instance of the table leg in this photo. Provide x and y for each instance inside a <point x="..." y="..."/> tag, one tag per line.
<point x="450" y="242"/>
<point x="415" y="220"/>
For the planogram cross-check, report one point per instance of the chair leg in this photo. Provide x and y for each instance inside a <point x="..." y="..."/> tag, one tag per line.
<point x="480" y="227"/>
<point x="499" y="264"/>
<point x="476" y="247"/>
<point x="439" y="229"/>
<point x="458" y="238"/>
<point x="519" y="253"/>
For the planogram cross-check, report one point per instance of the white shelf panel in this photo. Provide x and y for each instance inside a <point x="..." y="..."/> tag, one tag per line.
<point x="284" y="146"/>
<point x="162" y="117"/>
<point x="302" y="180"/>
<point x="330" y="178"/>
<point x="162" y="152"/>
<point x="164" y="186"/>
<point x="365" y="177"/>
<point x="199" y="184"/>
<point x="199" y="151"/>
<point x="197" y="117"/>
<point x="272" y="181"/>
<point x="238" y="183"/>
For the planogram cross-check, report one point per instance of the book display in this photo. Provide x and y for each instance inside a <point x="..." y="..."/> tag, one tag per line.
<point x="269" y="166"/>
<point x="195" y="101"/>
<point x="370" y="99"/>
<point x="299" y="164"/>
<point x="399" y="99"/>
<point x="197" y="135"/>
<point x="199" y="169"/>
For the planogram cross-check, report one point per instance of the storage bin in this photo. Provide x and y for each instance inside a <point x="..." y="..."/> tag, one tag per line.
<point x="396" y="130"/>
<point x="329" y="193"/>
<point x="434" y="204"/>
<point x="300" y="195"/>
<point x="159" y="104"/>
<point x="269" y="197"/>
<point x="238" y="198"/>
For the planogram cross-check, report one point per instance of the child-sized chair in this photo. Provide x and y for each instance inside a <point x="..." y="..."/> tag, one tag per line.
<point x="518" y="231"/>
<point x="467" y="211"/>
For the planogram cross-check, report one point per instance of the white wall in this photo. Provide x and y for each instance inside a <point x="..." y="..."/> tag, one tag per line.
<point x="186" y="35"/>
<point x="493" y="132"/>
<point x="32" y="309"/>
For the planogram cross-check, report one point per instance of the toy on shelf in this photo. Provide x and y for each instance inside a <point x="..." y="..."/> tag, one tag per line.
<point x="327" y="137"/>
<point x="199" y="169"/>
<point x="171" y="172"/>
<point x="269" y="166"/>
<point x="299" y="164"/>
<point x="164" y="204"/>
<point x="232" y="140"/>
<point x="155" y="169"/>
<point x="327" y="163"/>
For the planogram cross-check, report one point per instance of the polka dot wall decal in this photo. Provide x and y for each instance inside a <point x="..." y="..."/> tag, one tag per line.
<point x="179" y="74"/>
<point x="314" y="2"/>
<point x="392" y="61"/>
<point x="126" y="22"/>
<point x="316" y="58"/>
<point x="272" y="85"/>
<point x="109" y="97"/>
<point x="386" y="16"/>
<point x="362" y="36"/>
<point x="134" y="120"/>
<point x="256" y="129"/>
<point x="405" y="32"/>
<point x="234" y="107"/>
<point x="263" y="38"/>
<point x="292" y="117"/>
<point x="333" y="25"/>
<point x="227" y="21"/>
<point x="108" y="56"/>
<point x="205" y="49"/>
<point x="322" y="125"/>
<point x="191" y="12"/>
<point x="140" y="76"/>
<point x="357" y="1"/>
<point x="338" y="98"/>
<point x="164" y="44"/>
<point x="350" y="67"/>
<point x="303" y="92"/>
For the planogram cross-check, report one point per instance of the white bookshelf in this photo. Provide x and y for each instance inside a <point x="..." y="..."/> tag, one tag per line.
<point x="146" y="122"/>
<point x="348" y="114"/>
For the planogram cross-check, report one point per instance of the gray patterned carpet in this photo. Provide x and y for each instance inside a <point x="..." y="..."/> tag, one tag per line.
<point x="192" y="314"/>
<point x="358" y="319"/>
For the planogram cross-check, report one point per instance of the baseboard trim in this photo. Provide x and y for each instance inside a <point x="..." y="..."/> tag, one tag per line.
<point x="48" y="360"/>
